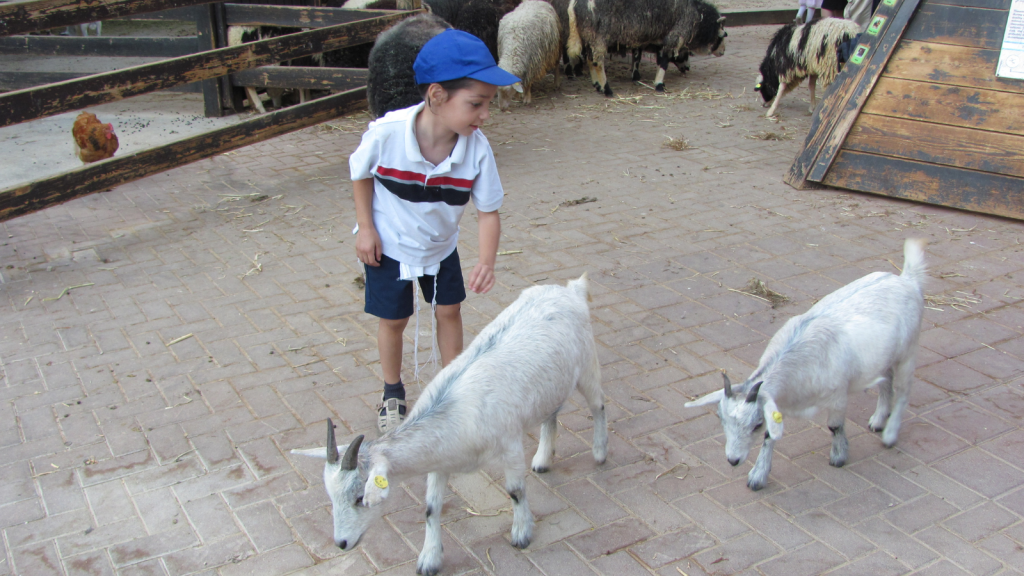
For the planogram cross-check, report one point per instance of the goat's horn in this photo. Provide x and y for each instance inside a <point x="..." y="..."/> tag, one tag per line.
<point x="752" y="395"/>
<point x="332" y="446"/>
<point x="352" y="454"/>
<point x="728" y="385"/>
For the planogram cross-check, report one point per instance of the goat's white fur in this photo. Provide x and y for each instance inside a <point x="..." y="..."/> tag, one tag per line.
<point x="515" y="375"/>
<point x="862" y="335"/>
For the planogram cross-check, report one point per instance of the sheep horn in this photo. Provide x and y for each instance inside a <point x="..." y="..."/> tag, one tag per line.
<point x="728" y="386"/>
<point x="752" y="395"/>
<point x="332" y="446"/>
<point x="352" y="454"/>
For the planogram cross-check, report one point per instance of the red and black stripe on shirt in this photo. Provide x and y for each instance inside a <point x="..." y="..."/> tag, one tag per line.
<point x="416" y="187"/>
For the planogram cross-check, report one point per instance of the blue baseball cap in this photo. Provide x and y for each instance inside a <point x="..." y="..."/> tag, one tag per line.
<point x="454" y="54"/>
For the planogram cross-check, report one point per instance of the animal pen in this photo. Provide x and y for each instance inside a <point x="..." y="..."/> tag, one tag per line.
<point x="919" y="113"/>
<point x="202" y="63"/>
<point x="215" y="68"/>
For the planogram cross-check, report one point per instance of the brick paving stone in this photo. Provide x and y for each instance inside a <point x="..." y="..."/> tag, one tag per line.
<point x="176" y="456"/>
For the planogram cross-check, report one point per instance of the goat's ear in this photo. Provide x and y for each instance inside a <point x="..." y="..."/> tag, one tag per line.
<point x="772" y="418"/>
<point x="313" y="452"/>
<point x="715" y="396"/>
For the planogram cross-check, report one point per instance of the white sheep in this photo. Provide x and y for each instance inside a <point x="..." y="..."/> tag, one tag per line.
<point x="862" y="335"/>
<point x="799" y="51"/>
<point x="515" y="375"/>
<point x="528" y="46"/>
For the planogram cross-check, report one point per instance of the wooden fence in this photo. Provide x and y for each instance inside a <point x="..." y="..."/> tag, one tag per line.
<point x="203" y="62"/>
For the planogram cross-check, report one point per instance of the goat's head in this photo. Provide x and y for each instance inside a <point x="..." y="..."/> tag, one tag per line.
<point x="743" y="416"/>
<point x="345" y="482"/>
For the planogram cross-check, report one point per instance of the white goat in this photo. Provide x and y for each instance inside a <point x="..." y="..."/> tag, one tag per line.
<point x="515" y="375"/>
<point x="862" y="335"/>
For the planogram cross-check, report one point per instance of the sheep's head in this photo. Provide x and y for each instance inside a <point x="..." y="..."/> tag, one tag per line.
<point x="767" y="82"/>
<point x="719" y="48"/>
<point x="346" y="482"/>
<point x="743" y="416"/>
<point x="505" y="94"/>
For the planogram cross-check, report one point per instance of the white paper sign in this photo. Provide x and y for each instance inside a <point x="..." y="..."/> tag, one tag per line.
<point x="1011" y="56"/>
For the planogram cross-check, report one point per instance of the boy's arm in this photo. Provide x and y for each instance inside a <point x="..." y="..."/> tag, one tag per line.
<point x="368" y="247"/>
<point x="481" y="279"/>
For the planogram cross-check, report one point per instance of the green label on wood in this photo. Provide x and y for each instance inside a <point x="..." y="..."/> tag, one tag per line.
<point x="859" y="54"/>
<point x="876" y="25"/>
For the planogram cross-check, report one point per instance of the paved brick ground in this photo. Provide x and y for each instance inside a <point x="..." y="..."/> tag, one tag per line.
<point x="126" y="449"/>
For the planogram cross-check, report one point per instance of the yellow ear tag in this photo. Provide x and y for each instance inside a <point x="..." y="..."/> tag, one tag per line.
<point x="382" y="482"/>
<point x="777" y="416"/>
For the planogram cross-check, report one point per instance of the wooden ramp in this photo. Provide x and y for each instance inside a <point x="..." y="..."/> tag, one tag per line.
<point x="923" y="115"/>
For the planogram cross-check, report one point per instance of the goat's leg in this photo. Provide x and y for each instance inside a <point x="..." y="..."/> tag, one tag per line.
<point x="811" y="83"/>
<point x="546" y="450"/>
<point x="758" y="476"/>
<point x="515" y="485"/>
<point x="901" y="380"/>
<point x="840" y="446"/>
<point x="778" y="98"/>
<point x="636" y="55"/>
<point x="429" y="562"/>
<point x="659" y="79"/>
<point x="254" y="100"/>
<point x="884" y="384"/>
<point x="590" y="386"/>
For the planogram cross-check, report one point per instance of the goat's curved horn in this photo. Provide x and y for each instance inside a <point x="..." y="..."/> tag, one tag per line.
<point x="728" y="385"/>
<point x="352" y="454"/>
<point x="752" y="395"/>
<point x="332" y="446"/>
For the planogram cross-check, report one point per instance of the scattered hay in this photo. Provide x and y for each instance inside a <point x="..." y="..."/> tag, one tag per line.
<point x="765" y="135"/>
<point x="758" y="288"/>
<point x="359" y="282"/>
<point x="959" y="303"/>
<point x="579" y="201"/>
<point x="678" y="144"/>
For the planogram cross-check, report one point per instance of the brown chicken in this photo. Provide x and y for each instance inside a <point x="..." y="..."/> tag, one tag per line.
<point x="94" y="141"/>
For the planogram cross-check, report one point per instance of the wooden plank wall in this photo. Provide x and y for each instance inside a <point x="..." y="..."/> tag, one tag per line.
<point x="939" y="127"/>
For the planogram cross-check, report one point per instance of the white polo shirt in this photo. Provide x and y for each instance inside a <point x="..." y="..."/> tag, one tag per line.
<point x="417" y="205"/>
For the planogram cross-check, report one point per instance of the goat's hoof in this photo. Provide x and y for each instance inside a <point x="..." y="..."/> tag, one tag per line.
<point x="608" y="91"/>
<point x="659" y="87"/>
<point x="876" y="428"/>
<point x="636" y="77"/>
<point x="889" y="444"/>
<point x="428" y="571"/>
<point x="521" y="543"/>
<point x="755" y="485"/>
<point x="837" y="462"/>
<point x="541" y="469"/>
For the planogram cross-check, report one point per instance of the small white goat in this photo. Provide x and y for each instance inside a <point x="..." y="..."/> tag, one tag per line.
<point x="862" y="335"/>
<point x="515" y="375"/>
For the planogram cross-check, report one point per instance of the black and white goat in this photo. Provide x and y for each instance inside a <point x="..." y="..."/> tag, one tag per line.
<point x="862" y="335"/>
<point x="676" y="27"/>
<point x="515" y="375"/>
<point x="799" y="51"/>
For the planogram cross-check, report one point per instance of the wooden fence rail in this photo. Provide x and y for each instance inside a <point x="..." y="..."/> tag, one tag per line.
<point x="34" y="15"/>
<point x="23" y="105"/>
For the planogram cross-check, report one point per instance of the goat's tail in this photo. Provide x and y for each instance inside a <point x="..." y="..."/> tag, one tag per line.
<point x="581" y="286"/>
<point x="913" y="261"/>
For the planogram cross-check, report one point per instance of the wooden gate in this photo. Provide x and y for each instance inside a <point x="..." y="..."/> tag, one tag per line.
<point x="924" y="117"/>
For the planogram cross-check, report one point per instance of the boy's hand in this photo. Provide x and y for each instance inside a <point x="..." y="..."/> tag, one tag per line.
<point x="368" y="247"/>
<point x="481" y="279"/>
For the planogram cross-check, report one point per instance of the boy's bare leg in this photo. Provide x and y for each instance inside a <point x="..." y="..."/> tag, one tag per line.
<point x="389" y="344"/>
<point x="449" y="332"/>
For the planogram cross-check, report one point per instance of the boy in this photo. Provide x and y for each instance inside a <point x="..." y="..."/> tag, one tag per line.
<point x="413" y="174"/>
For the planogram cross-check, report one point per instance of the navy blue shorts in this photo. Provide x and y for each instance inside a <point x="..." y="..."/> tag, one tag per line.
<point x="389" y="298"/>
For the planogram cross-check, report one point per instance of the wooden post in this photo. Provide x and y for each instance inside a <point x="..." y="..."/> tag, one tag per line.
<point x="207" y="40"/>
